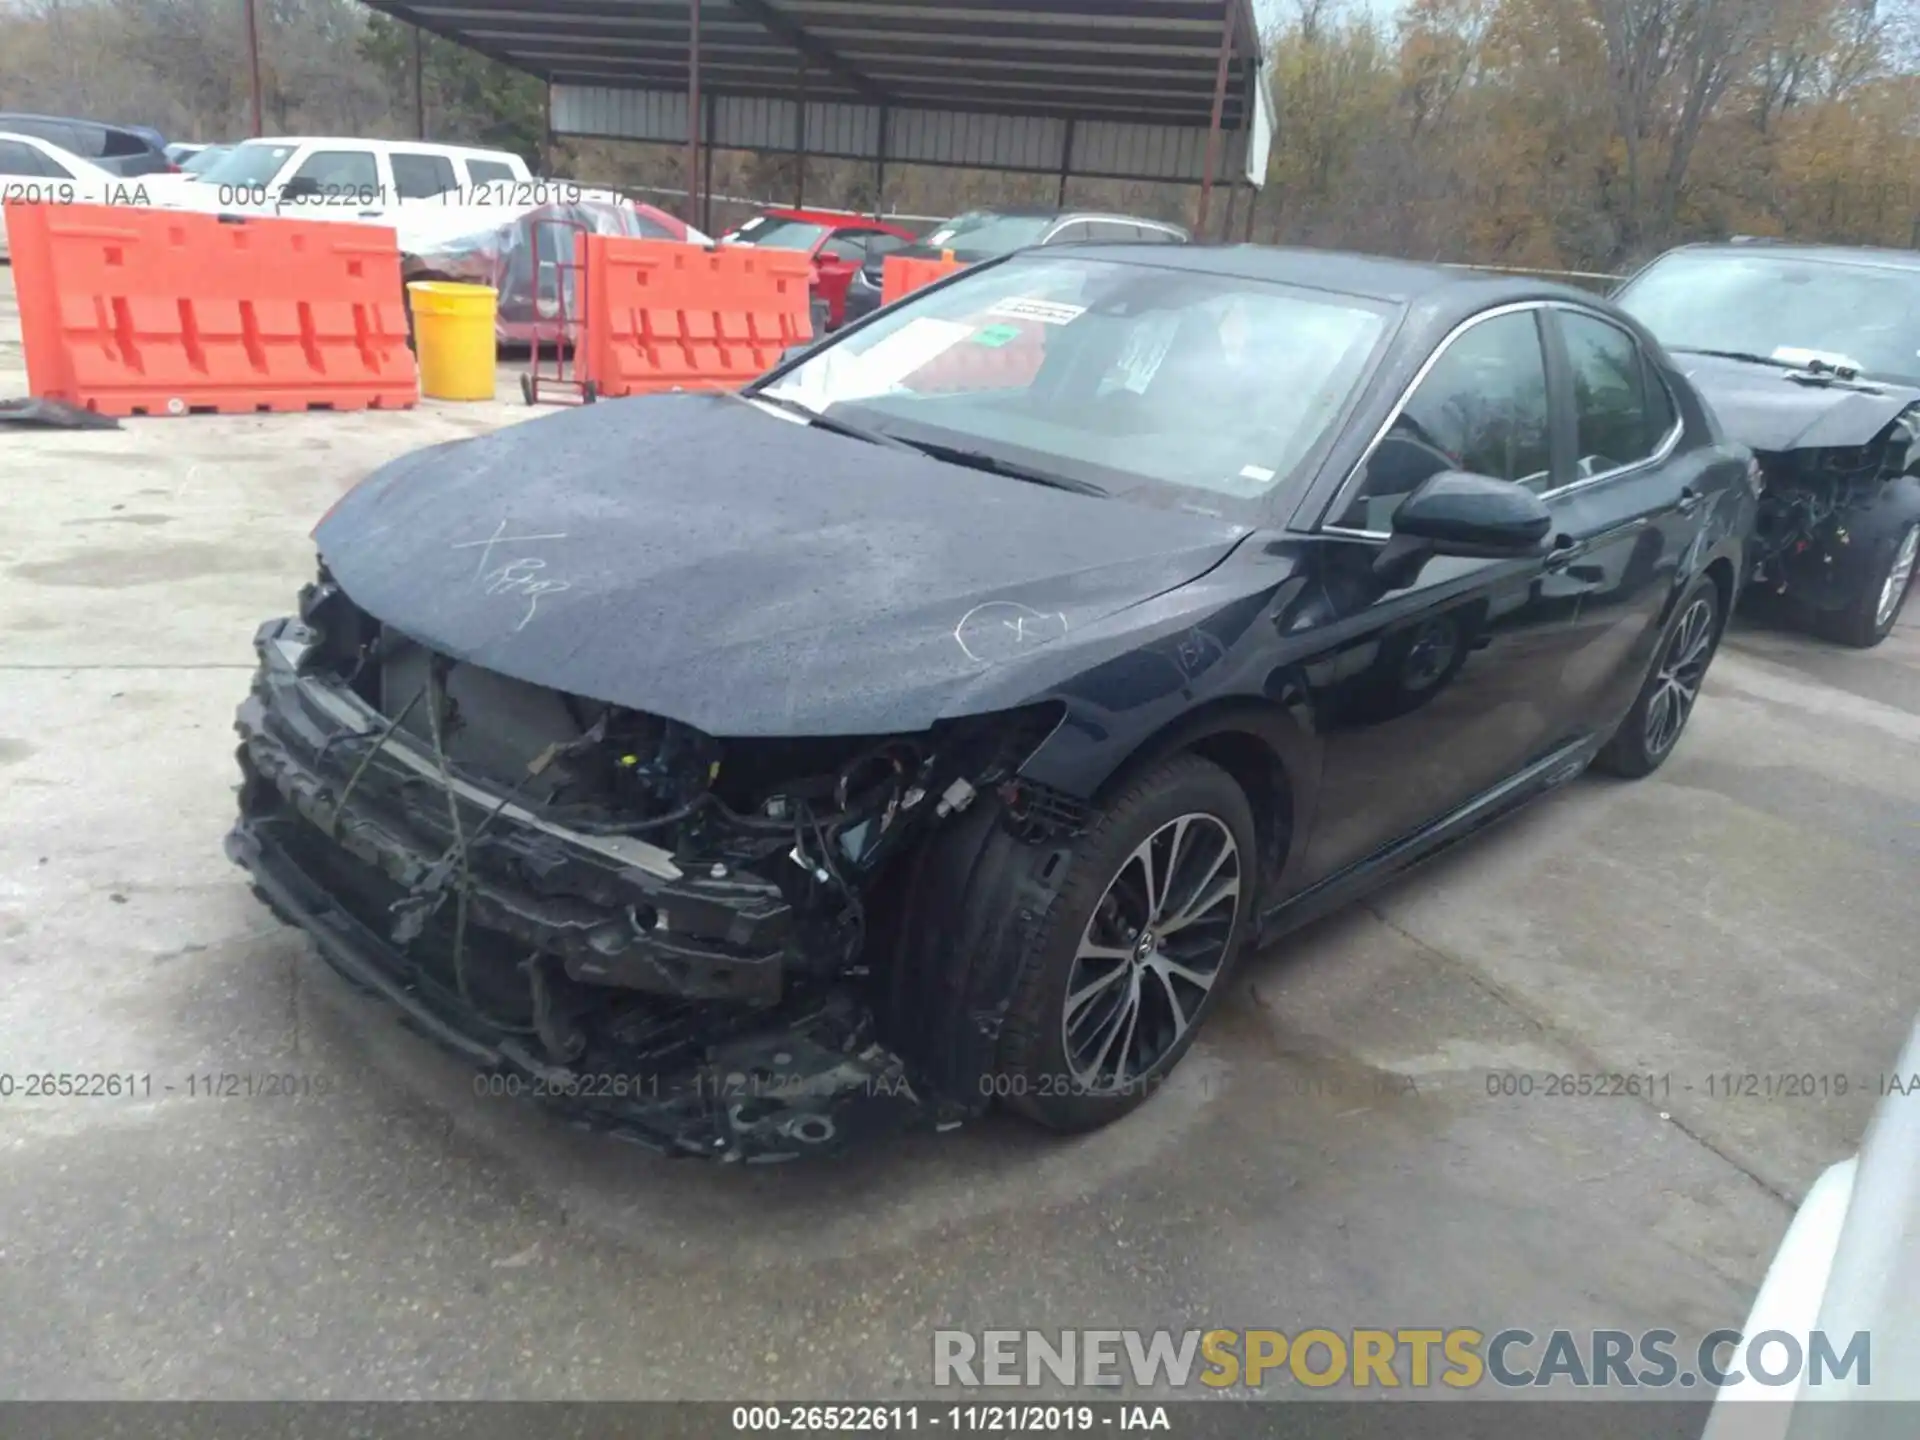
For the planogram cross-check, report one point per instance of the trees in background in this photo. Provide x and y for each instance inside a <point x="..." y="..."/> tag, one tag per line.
<point x="1581" y="134"/>
<point x="1590" y="133"/>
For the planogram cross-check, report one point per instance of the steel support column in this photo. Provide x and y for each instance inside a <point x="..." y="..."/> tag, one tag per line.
<point x="1219" y="109"/>
<point x="706" y="183"/>
<point x="800" y="141"/>
<point x="693" y="111"/>
<point x="1066" y="162"/>
<point x="880" y="166"/>
<point x="253" y="66"/>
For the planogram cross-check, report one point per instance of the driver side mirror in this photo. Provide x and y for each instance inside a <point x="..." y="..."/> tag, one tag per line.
<point x="300" y="187"/>
<point x="1456" y="513"/>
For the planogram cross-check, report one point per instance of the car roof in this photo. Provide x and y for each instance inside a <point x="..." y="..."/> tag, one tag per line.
<point x="1340" y="272"/>
<point x="835" y="219"/>
<point x="139" y="132"/>
<point x="436" y="146"/>
<point x="1884" y="259"/>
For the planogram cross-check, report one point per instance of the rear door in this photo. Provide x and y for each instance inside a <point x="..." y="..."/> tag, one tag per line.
<point x="1625" y="515"/>
<point x="423" y="177"/>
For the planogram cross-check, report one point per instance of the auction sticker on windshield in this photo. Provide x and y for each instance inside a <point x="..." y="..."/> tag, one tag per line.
<point x="1047" y="312"/>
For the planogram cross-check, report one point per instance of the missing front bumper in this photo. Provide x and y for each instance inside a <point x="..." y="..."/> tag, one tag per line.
<point x="806" y="1080"/>
<point x="684" y="1033"/>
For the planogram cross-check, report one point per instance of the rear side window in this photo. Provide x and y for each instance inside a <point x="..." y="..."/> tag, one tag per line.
<point x="489" y="172"/>
<point x="1622" y="411"/>
<point x="1067" y="234"/>
<point x="1111" y="230"/>
<point x="420" y="177"/>
<point x="1154" y="235"/>
<point x="123" y="142"/>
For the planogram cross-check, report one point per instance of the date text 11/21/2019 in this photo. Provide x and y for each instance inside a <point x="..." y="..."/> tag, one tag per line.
<point x="1718" y="1085"/>
<point x="989" y="1419"/>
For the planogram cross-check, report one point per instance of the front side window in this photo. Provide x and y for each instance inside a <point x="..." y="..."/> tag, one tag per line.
<point x="334" y="173"/>
<point x="1621" y="412"/>
<point x="1783" y="310"/>
<point x="1206" y="391"/>
<point x="1482" y="408"/>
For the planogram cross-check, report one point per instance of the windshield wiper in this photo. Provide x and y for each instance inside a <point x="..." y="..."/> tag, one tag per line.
<point x="1745" y="355"/>
<point x="1013" y="469"/>
<point x="834" y="423"/>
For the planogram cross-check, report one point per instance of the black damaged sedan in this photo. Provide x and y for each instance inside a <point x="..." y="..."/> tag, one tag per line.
<point x="929" y="726"/>
<point x="1810" y="354"/>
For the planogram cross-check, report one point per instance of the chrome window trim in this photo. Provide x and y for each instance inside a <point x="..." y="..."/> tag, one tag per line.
<point x="1342" y="496"/>
<point x="1667" y="443"/>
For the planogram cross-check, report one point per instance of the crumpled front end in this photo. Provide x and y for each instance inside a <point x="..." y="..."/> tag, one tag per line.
<point x="665" y="932"/>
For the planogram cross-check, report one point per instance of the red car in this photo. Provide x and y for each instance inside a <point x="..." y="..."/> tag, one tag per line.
<point x="840" y="243"/>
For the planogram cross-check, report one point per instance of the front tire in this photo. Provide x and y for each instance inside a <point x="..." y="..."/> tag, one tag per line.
<point x="1660" y="713"/>
<point x="1872" y="616"/>
<point x="1135" y="949"/>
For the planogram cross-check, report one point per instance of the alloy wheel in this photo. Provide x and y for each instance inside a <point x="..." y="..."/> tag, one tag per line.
<point x="1150" y="953"/>
<point x="1899" y="576"/>
<point x="1677" y="684"/>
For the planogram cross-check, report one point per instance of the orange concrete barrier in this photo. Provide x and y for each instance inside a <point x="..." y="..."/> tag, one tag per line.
<point x="902" y="275"/>
<point x="663" y="315"/>
<point x="129" y="311"/>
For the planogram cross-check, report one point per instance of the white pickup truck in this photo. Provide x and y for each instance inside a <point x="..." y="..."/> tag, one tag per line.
<point x="327" y="178"/>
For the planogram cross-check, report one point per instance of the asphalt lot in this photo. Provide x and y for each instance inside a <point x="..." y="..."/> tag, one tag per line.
<point x="1749" y="909"/>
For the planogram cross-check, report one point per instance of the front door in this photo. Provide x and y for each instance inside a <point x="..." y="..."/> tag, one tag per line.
<point x="1434" y="692"/>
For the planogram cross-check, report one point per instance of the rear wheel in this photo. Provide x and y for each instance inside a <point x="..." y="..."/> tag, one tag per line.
<point x="1142" y="934"/>
<point x="1665" y="704"/>
<point x="1871" y="617"/>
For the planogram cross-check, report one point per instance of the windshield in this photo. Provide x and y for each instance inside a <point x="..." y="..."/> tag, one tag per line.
<point x="778" y="234"/>
<point x="1202" y="391"/>
<point x="1784" y="309"/>
<point x="981" y="234"/>
<point x="200" y="162"/>
<point x="248" y="165"/>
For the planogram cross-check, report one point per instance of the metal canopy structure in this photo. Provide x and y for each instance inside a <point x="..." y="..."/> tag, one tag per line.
<point x="1168" y="90"/>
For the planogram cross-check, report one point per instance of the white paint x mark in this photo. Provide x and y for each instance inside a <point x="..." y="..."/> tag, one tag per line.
<point x="998" y="628"/>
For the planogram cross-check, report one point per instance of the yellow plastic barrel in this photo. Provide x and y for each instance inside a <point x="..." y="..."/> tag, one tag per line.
<point x="453" y="338"/>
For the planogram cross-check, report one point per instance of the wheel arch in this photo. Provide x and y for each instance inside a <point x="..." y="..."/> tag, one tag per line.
<point x="1266" y="751"/>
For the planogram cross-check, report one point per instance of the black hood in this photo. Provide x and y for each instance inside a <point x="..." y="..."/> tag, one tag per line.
<point x="698" y="557"/>
<point x="1764" y="409"/>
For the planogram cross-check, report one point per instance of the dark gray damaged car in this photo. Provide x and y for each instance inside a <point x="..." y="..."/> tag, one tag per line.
<point x="929" y="726"/>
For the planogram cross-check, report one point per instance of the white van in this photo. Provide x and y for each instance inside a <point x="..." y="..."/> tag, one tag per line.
<point x="323" y="177"/>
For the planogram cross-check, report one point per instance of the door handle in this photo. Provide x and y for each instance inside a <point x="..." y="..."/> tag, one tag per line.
<point x="1689" y="500"/>
<point x="1565" y="549"/>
